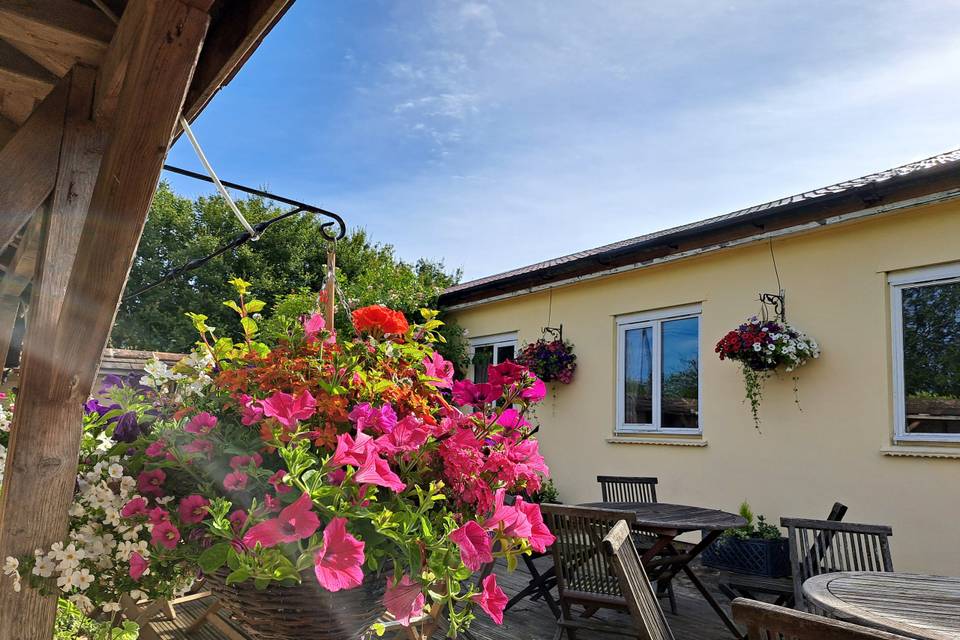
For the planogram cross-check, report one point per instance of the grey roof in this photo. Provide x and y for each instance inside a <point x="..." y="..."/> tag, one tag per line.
<point x="932" y="162"/>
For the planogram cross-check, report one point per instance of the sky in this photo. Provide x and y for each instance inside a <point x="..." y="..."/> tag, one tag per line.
<point x="495" y="134"/>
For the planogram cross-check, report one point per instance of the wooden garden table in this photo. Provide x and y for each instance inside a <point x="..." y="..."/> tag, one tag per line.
<point x="912" y="605"/>
<point x="663" y="560"/>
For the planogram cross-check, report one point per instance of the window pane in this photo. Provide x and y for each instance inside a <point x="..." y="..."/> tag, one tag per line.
<point x="679" y="397"/>
<point x="931" y="358"/>
<point x="504" y="353"/>
<point x="482" y="358"/>
<point x="638" y="376"/>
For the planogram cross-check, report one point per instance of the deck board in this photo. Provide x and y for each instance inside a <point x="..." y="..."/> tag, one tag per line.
<point x="527" y="621"/>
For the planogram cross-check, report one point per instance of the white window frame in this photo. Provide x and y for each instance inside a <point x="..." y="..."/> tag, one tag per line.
<point x="496" y="341"/>
<point x="898" y="281"/>
<point x="654" y="319"/>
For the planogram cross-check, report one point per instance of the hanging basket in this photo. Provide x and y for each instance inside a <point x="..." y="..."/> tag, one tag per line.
<point x="302" y="611"/>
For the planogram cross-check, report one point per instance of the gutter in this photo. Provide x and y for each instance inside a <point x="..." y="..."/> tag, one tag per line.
<point x="929" y="199"/>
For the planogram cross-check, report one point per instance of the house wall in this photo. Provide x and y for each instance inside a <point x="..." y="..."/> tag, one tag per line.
<point x="801" y="461"/>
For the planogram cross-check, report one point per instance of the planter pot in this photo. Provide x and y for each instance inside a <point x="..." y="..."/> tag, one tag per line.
<point x="769" y="558"/>
<point x="302" y="611"/>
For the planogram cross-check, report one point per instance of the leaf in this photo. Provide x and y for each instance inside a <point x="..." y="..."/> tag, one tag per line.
<point x="255" y="306"/>
<point x="261" y="583"/>
<point x="249" y="326"/>
<point x="233" y="305"/>
<point x="214" y="557"/>
<point x="238" y="575"/>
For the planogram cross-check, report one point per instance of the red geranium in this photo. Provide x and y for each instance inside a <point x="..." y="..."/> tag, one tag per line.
<point x="378" y="320"/>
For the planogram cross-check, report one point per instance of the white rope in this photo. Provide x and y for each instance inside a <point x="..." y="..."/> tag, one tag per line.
<point x="213" y="176"/>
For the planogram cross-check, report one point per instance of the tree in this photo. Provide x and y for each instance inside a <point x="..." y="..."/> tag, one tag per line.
<point x="287" y="264"/>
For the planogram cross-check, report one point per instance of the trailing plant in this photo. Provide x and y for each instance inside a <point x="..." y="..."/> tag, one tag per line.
<point x="760" y="347"/>
<point x="550" y="360"/>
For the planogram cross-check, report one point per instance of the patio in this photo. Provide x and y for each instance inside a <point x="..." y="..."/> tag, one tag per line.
<point x="527" y="621"/>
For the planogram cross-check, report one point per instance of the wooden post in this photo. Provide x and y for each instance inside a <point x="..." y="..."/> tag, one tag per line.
<point x="67" y="332"/>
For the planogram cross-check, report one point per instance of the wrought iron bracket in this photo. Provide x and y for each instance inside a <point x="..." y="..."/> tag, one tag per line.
<point x="777" y="302"/>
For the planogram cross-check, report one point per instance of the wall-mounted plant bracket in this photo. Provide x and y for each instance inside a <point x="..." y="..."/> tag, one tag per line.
<point x="554" y="332"/>
<point x="777" y="302"/>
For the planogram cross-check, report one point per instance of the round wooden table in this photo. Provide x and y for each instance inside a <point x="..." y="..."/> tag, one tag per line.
<point x="912" y="605"/>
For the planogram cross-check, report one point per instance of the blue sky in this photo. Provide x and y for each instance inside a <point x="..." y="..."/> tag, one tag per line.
<point x="493" y="134"/>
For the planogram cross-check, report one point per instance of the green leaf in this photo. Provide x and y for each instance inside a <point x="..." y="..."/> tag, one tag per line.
<point x="214" y="557"/>
<point x="239" y="575"/>
<point x="261" y="583"/>
<point x="249" y="326"/>
<point x="255" y="306"/>
<point x="233" y="305"/>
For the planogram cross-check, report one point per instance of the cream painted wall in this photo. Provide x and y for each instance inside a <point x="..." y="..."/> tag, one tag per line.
<point x="802" y="461"/>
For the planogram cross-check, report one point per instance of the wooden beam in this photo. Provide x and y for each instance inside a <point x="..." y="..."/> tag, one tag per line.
<point x="20" y="73"/>
<point x="61" y="357"/>
<point x="29" y="163"/>
<point x="57" y="63"/>
<point x="7" y="129"/>
<point x="114" y="65"/>
<point x="19" y="273"/>
<point x="233" y="38"/>
<point x="61" y="27"/>
<point x="15" y="106"/>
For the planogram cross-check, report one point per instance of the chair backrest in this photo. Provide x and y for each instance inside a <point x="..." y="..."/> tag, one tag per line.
<point x="634" y="584"/>
<point x="583" y="571"/>
<point x="765" y="621"/>
<point x="824" y="546"/>
<point x="627" y="489"/>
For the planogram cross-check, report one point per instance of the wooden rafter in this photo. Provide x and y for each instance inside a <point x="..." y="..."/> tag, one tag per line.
<point x="21" y="73"/>
<point x="58" y="27"/>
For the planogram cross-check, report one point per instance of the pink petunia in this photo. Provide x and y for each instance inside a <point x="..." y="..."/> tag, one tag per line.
<point x="475" y="545"/>
<point x="136" y="507"/>
<point x="158" y="515"/>
<point x="492" y="600"/>
<point x="295" y="522"/>
<point x="408" y="435"/>
<point x="506" y="373"/>
<point x="156" y="449"/>
<point x="235" y="481"/>
<point x="165" y="535"/>
<point x="535" y="392"/>
<point x="511" y="419"/>
<point x="404" y="600"/>
<point x="238" y="519"/>
<point x="508" y="518"/>
<point x="245" y="461"/>
<point x="200" y="445"/>
<point x="338" y="562"/>
<point x="540" y="537"/>
<point x="440" y="369"/>
<point x="276" y="481"/>
<point x="193" y="509"/>
<point x="150" y="483"/>
<point x="312" y="326"/>
<point x="376" y="470"/>
<point x="138" y="566"/>
<point x="381" y="419"/>
<point x="201" y="424"/>
<point x="289" y="410"/>
<point x="466" y="392"/>
<point x="251" y="411"/>
<point x="352" y="451"/>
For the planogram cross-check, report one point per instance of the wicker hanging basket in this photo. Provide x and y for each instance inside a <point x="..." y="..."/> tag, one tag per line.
<point x="302" y="611"/>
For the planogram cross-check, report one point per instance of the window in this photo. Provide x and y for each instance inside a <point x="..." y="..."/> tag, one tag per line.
<point x="489" y="350"/>
<point x="925" y="305"/>
<point x="658" y="371"/>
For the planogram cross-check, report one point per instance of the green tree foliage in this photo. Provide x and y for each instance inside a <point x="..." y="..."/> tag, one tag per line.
<point x="285" y="266"/>
<point x="931" y="337"/>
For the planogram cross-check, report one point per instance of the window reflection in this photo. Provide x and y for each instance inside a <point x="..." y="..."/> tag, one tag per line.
<point x="680" y="373"/>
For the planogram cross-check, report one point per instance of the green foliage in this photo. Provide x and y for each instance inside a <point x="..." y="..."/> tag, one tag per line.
<point x="287" y="263"/>
<point x="756" y="527"/>
<point x="548" y="493"/>
<point x="931" y="338"/>
<point x="72" y="624"/>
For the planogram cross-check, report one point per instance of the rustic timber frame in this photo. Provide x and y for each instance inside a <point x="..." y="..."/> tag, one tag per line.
<point x="88" y="109"/>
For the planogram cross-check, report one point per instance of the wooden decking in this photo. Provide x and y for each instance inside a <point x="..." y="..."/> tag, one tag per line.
<point x="527" y="621"/>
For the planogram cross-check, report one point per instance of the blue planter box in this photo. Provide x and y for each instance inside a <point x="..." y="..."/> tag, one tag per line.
<point x="769" y="558"/>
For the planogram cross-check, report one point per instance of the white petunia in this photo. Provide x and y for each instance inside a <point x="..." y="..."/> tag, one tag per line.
<point x="10" y="566"/>
<point x="44" y="567"/>
<point x="115" y="471"/>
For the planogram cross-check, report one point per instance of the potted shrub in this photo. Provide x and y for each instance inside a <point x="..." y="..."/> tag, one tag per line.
<point x="315" y="481"/>
<point x="756" y="549"/>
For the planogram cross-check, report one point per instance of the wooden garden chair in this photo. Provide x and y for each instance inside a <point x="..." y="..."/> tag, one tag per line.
<point x="637" y="489"/>
<point x="765" y="621"/>
<point x="832" y="547"/>
<point x="642" y="602"/>
<point x="627" y="489"/>
<point x="736" y="585"/>
<point x="585" y="575"/>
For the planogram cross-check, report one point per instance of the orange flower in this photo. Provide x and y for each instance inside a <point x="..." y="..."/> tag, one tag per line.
<point x="378" y="320"/>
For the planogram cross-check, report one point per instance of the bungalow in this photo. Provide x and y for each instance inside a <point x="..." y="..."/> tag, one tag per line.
<point x="870" y="268"/>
